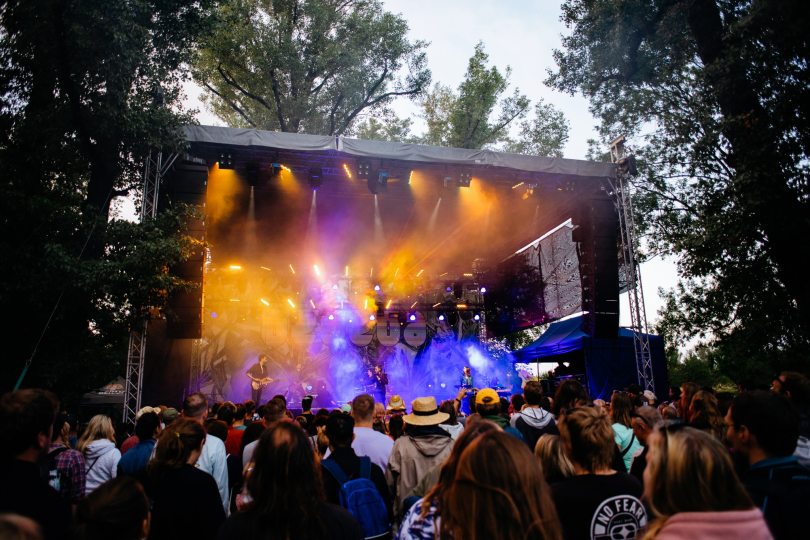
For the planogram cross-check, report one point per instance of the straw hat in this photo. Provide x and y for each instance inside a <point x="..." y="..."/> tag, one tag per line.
<point x="396" y="403"/>
<point x="425" y="413"/>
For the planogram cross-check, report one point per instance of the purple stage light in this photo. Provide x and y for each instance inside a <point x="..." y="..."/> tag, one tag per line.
<point x="376" y="287"/>
<point x="412" y="317"/>
<point x="372" y="318"/>
<point x="448" y="289"/>
<point x="331" y="317"/>
<point x="477" y="317"/>
<point x="483" y="290"/>
<point x="441" y="317"/>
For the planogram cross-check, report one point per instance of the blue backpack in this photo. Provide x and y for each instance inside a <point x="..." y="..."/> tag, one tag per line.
<point x="361" y="498"/>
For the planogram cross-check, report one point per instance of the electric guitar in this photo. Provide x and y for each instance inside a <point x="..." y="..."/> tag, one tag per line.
<point x="263" y="382"/>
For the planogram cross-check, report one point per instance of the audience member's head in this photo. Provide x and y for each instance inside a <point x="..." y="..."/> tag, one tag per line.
<point x="282" y="398"/>
<point x="116" y="509"/>
<point x="218" y="429"/>
<point x="340" y="431"/>
<point x="532" y="393"/>
<point x="215" y="409"/>
<point x="306" y="403"/>
<point x="447" y="472"/>
<point x="251" y="434"/>
<point x="724" y="400"/>
<point x="195" y="406"/>
<point x="796" y="387"/>
<point x="587" y="437"/>
<point x="517" y="401"/>
<point x="275" y="410"/>
<point x="396" y="427"/>
<point x="545" y="404"/>
<point x="551" y="456"/>
<point x="147" y="427"/>
<point x="504" y="407"/>
<point x="644" y="421"/>
<point x="250" y="408"/>
<point x="703" y="414"/>
<point x="620" y="407"/>
<point x="362" y="410"/>
<point x="487" y="403"/>
<point x="669" y="414"/>
<point x="569" y="394"/>
<point x="179" y="444"/>
<point x="688" y="391"/>
<point x="486" y="490"/>
<point x="99" y="428"/>
<point x="322" y="412"/>
<point x="169" y="415"/>
<point x="762" y="425"/>
<point x="472" y="419"/>
<point x="448" y="406"/>
<point x="286" y="485"/>
<point x="26" y="422"/>
<point x="379" y="411"/>
<point x="17" y="527"/>
<point x="239" y="416"/>
<point x="227" y="413"/>
<point x="689" y="470"/>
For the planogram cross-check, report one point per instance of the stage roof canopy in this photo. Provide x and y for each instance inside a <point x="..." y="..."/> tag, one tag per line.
<point x="256" y="141"/>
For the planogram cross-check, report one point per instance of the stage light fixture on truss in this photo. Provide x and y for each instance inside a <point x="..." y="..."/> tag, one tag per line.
<point x="412" y="317"/>
<point x="441" y="317"/>
<point x="315" y="177"/>
<point x="363" y="169"/>
<point x="379" y="184"/>
<point x="529" y="190"/>
<point x="225" y="161"/>
<point x="477" y="317"/>
<point x="252" y="172"/>
<point x="464" y="178"/>
<point x="482" y="290"/>
<point x="627" y="165"/>
<point x="275" y="170"/>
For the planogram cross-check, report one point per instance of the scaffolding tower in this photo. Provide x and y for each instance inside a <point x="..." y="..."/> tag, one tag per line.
<point x="154" y="170"/>
<point x="638" y="316"/>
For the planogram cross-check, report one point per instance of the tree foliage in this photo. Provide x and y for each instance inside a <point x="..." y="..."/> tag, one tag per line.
<point x="390" y="130"/>
<point x="308" y="66"/>
<point x="713" y="96"/>
<point x="79" y="112"/>
<point x="543" y="135"/>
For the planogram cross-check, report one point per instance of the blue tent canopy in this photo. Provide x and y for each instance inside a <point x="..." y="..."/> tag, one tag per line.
<point x="610" y="364"/>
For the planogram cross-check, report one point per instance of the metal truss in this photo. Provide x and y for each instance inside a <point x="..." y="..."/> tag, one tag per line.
<point x="134" y="382"/>
<point x="632" y="271"/>
<point x="154" y="170"/>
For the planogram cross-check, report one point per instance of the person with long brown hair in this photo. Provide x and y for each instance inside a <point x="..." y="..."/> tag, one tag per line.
<point x="101" y="457"/>
<point x="499" y="492"/>
<point x="704" y="414"/>
<point x="185" y="500"/>
<point x="688" y="391"/>
<point x="552" y="459"/>
<point x="117" y="509"/>
<point x="693" y="492"/>
<point x="287" y="495"/>
<point x="620" y="407"/>
<point x="569" y="394"/>
<point x="597" y="501"/>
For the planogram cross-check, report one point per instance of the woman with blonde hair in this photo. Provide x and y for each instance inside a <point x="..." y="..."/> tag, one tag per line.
<point x="693" y="492"/>
<point x="97" y="445"/>
<point x="185" y="499"/>
<point x="703" y="414"/>
<point x="620" y="407"/>
<point x="552" y="459"/>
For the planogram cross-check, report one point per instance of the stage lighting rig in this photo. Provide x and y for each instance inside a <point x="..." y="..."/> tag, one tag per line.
<point x="315" y="178"/>
<point x="459" y="179"/>
<point x="379" y="184"/>
<point x="252" y="172"/>
<point x="225" y="161"/>
<point x="275" y="170"/>
<point x="363" y="169"/>
<point x="627" y="165"/>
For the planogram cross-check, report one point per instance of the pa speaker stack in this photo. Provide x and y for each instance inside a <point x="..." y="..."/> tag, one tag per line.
<point x="596" y="229"/>
<point x="188" y="183"/>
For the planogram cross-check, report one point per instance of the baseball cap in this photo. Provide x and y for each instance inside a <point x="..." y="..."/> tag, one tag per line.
<point x="487" y="396"/>
<point x="169" y="415"/>
<point x="346" y="408"/>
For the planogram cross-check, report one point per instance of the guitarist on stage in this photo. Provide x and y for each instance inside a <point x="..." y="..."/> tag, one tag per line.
<point x="258" y="374"/>
<point x="380" y="380"/>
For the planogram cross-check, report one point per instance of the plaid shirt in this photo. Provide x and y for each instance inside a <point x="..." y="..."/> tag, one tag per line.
<point x="70" y="465"/>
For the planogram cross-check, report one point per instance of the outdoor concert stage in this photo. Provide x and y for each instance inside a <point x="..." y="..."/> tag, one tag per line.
<point x="333" y="255"/>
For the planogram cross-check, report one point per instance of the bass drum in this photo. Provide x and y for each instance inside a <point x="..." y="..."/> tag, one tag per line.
<point x="275" y="327"/>
<point x="415" y="333"/>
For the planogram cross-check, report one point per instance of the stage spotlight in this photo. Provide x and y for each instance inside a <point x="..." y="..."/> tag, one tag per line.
<point x="464" y="179"/>
<point x="412" y="317"/>
<point x="335" y="287"/>
<point x="441" y="317"/>
<point x="275" y="169"/>
<point x="376" y="287"/>
<point x="252" y="171"/>
<point x="380" y="184"/>
<point x="372" y="317"/>
<point x="363" y="170"/>
<point x="483" y="290"/>
<point x="449" y="182"/>
<point x="315" y="178"/>
<point x="331" y="317"/>
<point x="476" y="317"/>
<point x="225" y="160"/>
<point x="448" y="289"/>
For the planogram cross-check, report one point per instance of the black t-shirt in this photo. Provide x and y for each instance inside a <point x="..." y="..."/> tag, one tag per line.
<point x="185" y="504"/>
<point x="257" y="372"/>
<point x="338" y="522"/>
<point x="600" y="507"/>
<point x="24" y="492"/>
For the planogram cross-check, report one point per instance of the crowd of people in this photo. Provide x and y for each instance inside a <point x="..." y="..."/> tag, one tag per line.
<point x="565" y="466"/>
